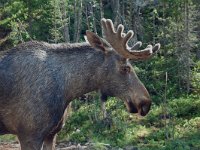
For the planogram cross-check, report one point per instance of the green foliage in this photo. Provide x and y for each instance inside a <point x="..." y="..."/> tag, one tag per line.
<point x="196" y="78"/>
<point x="185" y="107"/>
<point x="93" y="126"/>
<point x="179" y="129"/>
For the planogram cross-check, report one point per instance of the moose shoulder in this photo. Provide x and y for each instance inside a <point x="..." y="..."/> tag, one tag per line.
<point x="38" y="80"/>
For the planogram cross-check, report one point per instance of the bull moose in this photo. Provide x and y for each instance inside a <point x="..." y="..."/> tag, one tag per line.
<point x="38" y="80"/>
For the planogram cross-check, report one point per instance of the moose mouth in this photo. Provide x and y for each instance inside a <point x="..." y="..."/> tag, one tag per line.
<point x="142" y="109"/>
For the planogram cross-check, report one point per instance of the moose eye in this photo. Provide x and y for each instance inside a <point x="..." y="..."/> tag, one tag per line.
<point x="125" y="69"/>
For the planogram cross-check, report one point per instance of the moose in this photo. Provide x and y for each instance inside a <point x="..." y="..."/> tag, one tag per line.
<point x="38" y="80"/>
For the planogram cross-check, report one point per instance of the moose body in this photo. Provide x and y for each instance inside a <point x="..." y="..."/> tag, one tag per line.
<point x="38" y="81"/>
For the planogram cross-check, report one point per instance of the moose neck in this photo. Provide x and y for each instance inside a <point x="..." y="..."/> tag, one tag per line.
<point x="81" y="63"/>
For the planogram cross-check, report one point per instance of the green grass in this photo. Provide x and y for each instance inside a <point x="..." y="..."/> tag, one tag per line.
<point x="179" y="130"/>
<point x="7" y="138"/>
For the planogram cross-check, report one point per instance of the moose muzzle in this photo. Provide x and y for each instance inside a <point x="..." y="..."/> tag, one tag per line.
<point x="142" y="108"/>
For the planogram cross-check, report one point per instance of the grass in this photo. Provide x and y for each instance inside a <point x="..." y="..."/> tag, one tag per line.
<point x="7" y="138"/>
<point x="178" y="128"/>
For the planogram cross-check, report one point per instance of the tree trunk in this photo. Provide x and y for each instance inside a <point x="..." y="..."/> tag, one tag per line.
<point x="102" y="15"/>
<point x="116" y="11"/>
<point x="187" y="46"/>
<point x="77" y="19"/>
<point x="134" y="19"/>
<point x="93" y="18"/>
<point x="65" y="22"/>
<point x="87" y="17"/>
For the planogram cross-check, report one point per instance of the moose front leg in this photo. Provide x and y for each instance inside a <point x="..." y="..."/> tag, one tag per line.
<point x="30" y="143"/>
<point x="103" y="99"/>
<point x="49" y="143"/>
<point x="107" y="121"/>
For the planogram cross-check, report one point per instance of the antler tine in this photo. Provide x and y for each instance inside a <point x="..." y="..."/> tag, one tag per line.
<point x="120" y="30"/>
<point x="137" y="45"/>
<point x="119" y="41"/>
<point x="156" y="47"/>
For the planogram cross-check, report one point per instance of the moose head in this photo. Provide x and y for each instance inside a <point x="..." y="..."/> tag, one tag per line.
<point x="118" y="76"/>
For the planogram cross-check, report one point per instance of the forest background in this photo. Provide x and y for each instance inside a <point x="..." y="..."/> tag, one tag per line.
<point x="172" y="76"/>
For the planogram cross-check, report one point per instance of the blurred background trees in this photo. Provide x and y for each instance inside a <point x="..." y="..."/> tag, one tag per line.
<point x="173" y="74"/>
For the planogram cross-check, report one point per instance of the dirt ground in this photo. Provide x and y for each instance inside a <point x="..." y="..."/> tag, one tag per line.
<point x="67" y="146"/>
<point x="60" y="146"/>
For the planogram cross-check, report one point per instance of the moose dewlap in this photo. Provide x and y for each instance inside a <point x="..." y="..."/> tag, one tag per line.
<point x="38" y="80"/>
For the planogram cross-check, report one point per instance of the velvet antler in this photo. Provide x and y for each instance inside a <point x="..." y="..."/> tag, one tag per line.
<point x="119" y="41"/>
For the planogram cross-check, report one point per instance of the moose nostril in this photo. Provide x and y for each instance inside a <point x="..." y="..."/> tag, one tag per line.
<point x="145" y="108"/>
<point x="131" y="107"/>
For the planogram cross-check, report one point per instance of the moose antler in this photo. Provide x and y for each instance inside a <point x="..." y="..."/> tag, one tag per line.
<point x="119" y="41"/>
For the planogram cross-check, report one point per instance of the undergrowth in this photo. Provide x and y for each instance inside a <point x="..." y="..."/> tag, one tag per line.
<point x="177" y="128"/>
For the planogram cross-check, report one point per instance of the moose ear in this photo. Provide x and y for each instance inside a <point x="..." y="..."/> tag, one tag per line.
<point x="97" y="42"/>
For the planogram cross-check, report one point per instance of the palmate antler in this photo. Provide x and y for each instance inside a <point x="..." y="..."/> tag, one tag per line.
<point x="119" y="41"/>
